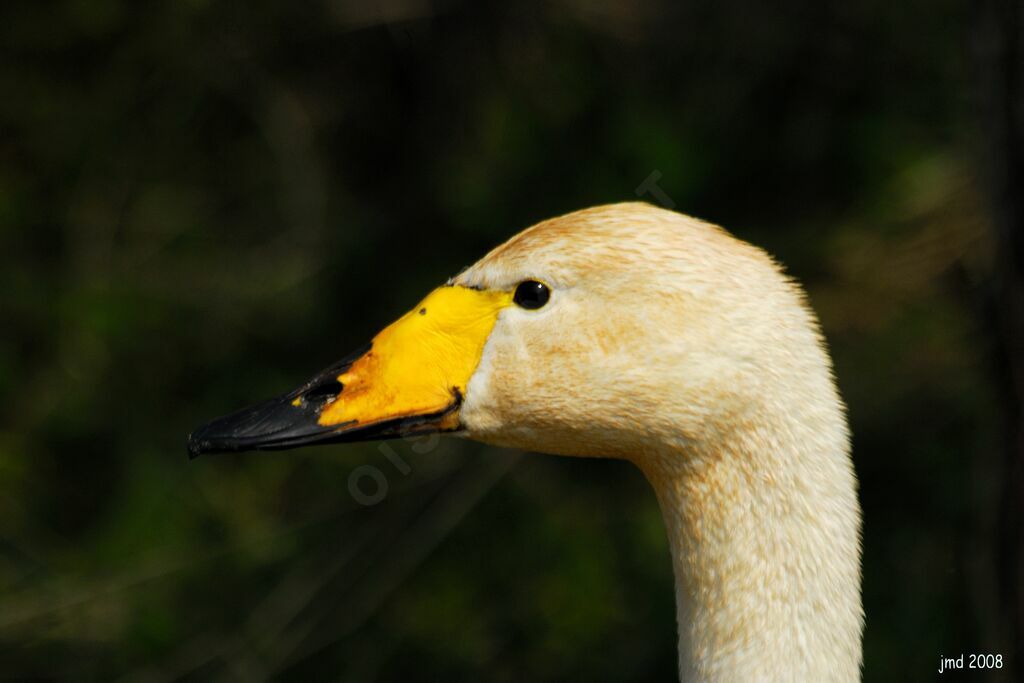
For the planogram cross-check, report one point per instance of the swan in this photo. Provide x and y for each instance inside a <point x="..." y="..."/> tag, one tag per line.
<point x="630" y="331"/>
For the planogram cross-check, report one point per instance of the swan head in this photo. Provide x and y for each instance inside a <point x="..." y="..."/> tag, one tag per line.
<point x="604" y="332"/>
<point x="633" y="332"/>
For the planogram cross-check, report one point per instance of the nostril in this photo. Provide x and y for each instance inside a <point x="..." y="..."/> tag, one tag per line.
<point x="323" y="392"/>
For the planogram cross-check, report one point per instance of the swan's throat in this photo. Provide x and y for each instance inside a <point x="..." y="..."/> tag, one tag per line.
<point x="764" y="535"/>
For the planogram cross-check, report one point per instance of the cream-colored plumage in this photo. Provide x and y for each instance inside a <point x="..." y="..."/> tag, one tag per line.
<point x="667" y="342"/>
<point x="672" y="344"/>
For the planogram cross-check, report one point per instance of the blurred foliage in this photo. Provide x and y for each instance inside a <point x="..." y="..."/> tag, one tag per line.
<point x="203" y="202"/>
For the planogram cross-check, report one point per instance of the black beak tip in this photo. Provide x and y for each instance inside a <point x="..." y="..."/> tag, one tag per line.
<point x="203" y="440"/>
<point x="196" y="446"/>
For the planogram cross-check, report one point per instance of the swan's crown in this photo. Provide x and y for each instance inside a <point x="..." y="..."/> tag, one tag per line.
<point x="660" y="327"/>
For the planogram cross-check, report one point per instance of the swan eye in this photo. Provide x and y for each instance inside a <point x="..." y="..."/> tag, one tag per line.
<point x="531" y="294"/>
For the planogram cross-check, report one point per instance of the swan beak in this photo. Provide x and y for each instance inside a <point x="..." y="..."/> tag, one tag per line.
<point x="411" y="379"/>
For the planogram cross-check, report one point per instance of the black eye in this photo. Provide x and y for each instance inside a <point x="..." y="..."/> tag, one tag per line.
<point x="531" y="294"/>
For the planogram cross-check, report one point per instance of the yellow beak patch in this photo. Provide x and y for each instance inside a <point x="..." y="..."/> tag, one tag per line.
<point x="421" y="363"/>
<point x="411" y="381"/>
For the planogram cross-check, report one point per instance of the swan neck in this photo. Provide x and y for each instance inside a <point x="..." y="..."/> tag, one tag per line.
<point x="764" y="531"/>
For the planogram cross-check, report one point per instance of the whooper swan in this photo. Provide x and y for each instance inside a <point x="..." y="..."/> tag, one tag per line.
<point x="627" y="331"/>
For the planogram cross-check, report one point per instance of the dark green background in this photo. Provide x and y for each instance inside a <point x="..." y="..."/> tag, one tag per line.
<point x="202" y="203"/>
